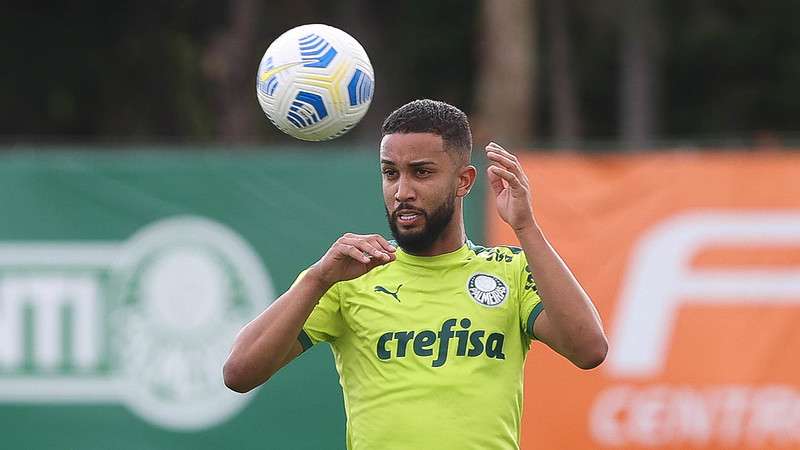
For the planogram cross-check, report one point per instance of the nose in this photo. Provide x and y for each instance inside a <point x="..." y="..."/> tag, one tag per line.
<point x="405" y="190"/>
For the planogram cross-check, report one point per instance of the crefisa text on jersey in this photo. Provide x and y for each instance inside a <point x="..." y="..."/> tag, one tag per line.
<point x="469" y="342"/>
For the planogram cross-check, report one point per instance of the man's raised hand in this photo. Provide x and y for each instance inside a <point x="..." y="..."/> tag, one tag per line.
<point x="510" y="187"/>
<point x="351" y="256"/>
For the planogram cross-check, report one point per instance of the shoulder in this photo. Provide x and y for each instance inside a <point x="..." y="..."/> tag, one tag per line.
<point x="506" y="260"/>
<point x="506" y="264"/>
<point x="500" y="253"/>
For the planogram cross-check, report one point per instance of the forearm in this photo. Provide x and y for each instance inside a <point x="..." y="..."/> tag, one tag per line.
<point x="573" y="326"/>
<point x="569" y="323"/>
<point x="263" y="345"/>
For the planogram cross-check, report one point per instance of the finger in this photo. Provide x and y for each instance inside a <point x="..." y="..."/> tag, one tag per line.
<point x="366" y="247"/>
<point x="498" y="149"/>
<point x="389" y="258"/>
<point x="375" y="262"/>
<point x="496" y="155"/>
<point x="493" y="144"/>
<point x="385" y="258"/>
<point x="509" y="164"/>
<point x="383" y="243"/>
<point x="513" y="182"/>
<point x="354" y="253"/>
<point x="492" y="147"/>
<point x="495" y="147"/>
<point x="495" y="181"/>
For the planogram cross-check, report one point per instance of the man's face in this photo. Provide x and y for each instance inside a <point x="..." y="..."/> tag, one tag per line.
<point x="420" y="179"/>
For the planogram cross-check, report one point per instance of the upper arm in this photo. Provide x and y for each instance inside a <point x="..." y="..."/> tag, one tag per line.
<point x="295" y="351"/>
<point x="543" y="331"/>
<point x="530" y="304"/>
<point x="325" y="322"/>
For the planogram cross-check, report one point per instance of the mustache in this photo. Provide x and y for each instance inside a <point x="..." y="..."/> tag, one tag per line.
<point x="407" y="207"/>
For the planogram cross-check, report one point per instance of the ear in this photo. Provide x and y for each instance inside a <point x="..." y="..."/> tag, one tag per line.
<point x="466" y="179"/>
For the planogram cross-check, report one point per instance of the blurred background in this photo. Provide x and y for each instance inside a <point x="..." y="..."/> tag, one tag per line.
<point x="631" y="74"/>
<point x="150" y="209"/>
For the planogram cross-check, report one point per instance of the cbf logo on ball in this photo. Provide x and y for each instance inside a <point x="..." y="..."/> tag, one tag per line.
<point x="486" y="289"/>
<point x="146" y="323"/>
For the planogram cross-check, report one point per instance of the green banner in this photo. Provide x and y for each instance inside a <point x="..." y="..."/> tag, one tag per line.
<point x="124" y="277"/>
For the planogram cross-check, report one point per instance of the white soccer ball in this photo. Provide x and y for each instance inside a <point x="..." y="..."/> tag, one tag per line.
<point x="315" y="82"/>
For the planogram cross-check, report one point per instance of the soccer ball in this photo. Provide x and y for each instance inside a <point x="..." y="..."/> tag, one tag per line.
<point x="315" y="82"/>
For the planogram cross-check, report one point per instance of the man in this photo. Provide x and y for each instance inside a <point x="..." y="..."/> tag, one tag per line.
<point x="430" y="333"/>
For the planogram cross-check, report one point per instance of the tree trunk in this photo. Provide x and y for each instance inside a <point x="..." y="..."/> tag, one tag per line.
<point x="230" y="61"/>
<point x="505" y="87"/>
<point x="640" y="68"/>
<point x="565" y="116"/>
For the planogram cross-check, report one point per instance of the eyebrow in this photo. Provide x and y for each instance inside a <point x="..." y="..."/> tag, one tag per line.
<point x="420" y="163"/>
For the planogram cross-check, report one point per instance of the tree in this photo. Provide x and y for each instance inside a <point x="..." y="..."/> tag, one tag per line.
<point x="639" y="75"/>
<point x="565" y="115"/>
<point x="505" y="86"/>
<point x="228" y="62"/>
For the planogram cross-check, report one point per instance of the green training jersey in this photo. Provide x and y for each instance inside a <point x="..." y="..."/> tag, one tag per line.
<point x="430" y="350"/>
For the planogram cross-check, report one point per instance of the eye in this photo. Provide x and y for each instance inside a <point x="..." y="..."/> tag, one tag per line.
<point x="423" y="172"/>
<point x="389" y="172"/>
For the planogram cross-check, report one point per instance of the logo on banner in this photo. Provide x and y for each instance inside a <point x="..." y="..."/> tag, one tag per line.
<point x="661" y="281"/>
<point x="147" y="322"/>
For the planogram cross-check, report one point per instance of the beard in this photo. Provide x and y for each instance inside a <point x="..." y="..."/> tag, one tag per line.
<point x="435" y="224"/>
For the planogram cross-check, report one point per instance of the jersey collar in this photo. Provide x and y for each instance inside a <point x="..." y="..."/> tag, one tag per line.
<point x="445" y="259"/>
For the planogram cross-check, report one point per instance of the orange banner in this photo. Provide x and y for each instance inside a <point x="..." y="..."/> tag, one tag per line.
<point x="694" y="263"/>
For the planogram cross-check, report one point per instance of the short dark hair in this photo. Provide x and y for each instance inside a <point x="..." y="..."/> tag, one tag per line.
<point x="432" y="116"/>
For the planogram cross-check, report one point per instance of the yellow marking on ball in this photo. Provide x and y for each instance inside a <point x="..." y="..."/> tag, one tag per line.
<point x="329" y="82"/>
<point x="269" y="73"/>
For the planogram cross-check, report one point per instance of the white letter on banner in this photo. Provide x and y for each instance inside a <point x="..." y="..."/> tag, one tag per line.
<point x="661" y="280"/>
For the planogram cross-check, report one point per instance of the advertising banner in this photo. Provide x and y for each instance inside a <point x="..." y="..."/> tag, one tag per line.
<point x="694" y="263"/>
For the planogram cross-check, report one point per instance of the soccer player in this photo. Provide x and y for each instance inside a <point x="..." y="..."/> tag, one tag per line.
<point x="429" y="332"/>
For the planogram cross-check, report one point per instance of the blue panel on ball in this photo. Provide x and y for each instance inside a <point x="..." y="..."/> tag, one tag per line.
<point x="294" y="122"/>
<point x="359" y="89"/>
<point x="272" y="84"/>
<point x="269" y="85"/>
<point x="312" y="46"/>
<point x="307" y="109"/>
<point x="316" y="51"/>
<point x="309" y="38"/>
<point x="352" y="85"/>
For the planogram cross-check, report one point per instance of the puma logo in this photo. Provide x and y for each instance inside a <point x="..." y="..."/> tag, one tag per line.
<point x="386" y="291"/>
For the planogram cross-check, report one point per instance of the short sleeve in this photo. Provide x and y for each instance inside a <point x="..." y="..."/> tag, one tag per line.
<point x="325" y="321"/>
<point x="530" y="304"/>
